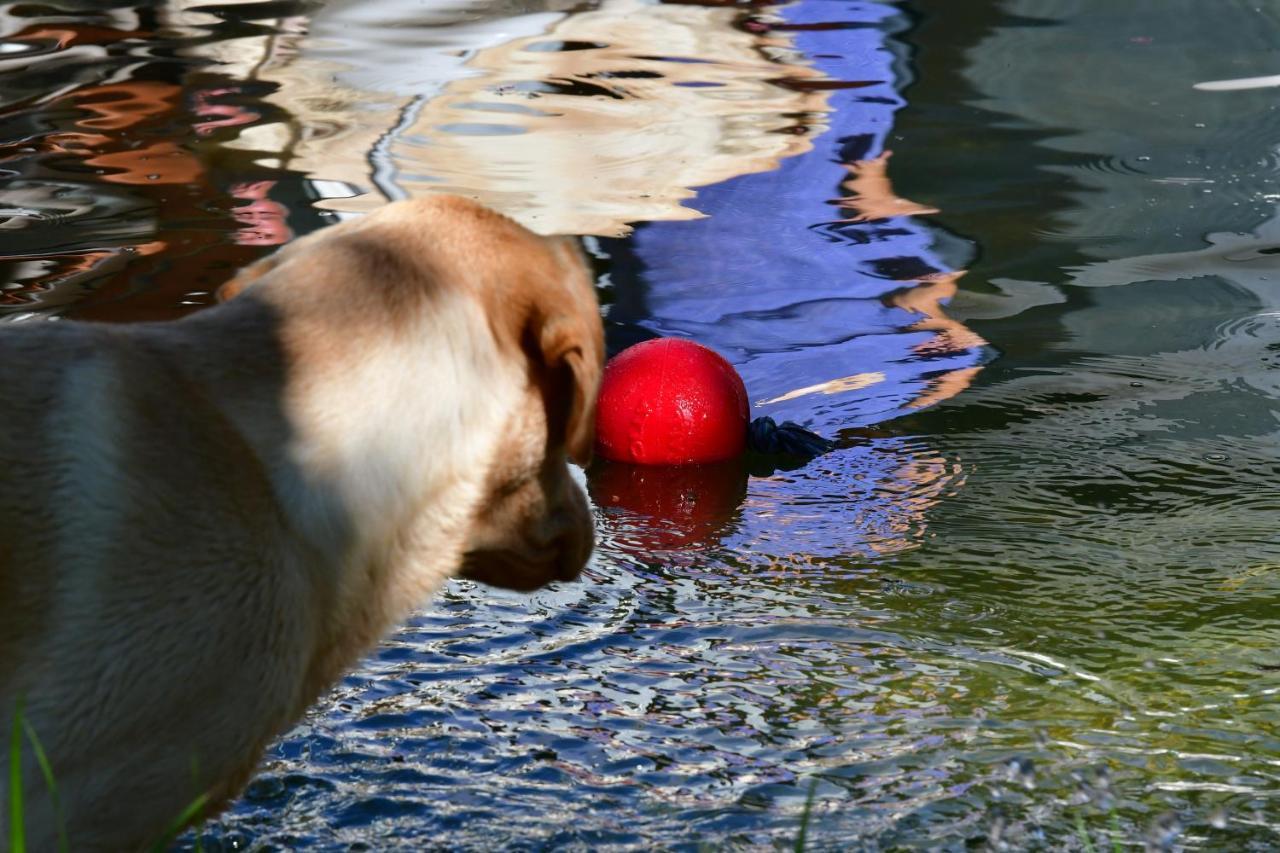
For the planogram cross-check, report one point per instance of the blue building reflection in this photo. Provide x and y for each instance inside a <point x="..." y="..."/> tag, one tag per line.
<point x="826" y="291"/>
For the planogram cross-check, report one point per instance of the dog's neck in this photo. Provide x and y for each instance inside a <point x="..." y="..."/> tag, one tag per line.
<point x="376" y="444"/>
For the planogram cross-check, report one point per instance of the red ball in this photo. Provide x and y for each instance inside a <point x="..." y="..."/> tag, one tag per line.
<point x="670" y="402"/>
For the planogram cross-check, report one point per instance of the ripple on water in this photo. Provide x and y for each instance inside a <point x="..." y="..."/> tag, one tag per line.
<point x="704" y="720"/>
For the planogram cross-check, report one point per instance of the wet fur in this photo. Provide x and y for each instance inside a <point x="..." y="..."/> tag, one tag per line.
<point x="207" y="521"/>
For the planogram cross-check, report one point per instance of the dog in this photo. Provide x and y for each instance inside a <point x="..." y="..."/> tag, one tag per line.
<point x="208" y="521"/>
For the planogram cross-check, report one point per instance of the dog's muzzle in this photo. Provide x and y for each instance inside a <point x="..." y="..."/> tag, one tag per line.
<point x="525" y="571"/>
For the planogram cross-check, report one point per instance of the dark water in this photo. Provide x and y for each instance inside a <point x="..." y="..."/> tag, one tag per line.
<point x="1030" y="601"/>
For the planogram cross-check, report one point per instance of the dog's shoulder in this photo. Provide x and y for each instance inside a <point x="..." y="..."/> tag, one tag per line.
<point x="106" y="441"/>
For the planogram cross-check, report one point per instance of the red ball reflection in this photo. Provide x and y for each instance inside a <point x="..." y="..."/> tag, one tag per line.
<point x="671" y="507"/>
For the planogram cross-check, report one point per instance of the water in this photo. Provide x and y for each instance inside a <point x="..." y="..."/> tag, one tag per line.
<point x="1030" y="600"/>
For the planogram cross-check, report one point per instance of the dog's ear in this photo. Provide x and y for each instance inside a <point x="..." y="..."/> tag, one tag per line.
<point x="572" y="356"/>
<point x="569" y="339"/>
<point x="247" y="276"/>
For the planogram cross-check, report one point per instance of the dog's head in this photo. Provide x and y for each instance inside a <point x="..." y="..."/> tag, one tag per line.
<point x="535" y="317"/>
<point x="533" y="525"/>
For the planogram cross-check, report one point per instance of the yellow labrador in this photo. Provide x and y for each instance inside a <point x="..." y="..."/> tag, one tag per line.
<point x="206" y="522"/>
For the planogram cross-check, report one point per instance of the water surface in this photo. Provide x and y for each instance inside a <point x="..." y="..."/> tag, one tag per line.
<point x="1004" y="252"/>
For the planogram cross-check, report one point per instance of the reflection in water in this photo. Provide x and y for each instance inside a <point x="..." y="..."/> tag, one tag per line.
<point x="262" y="220"/>
<point x="825" y="290"/>
<point x="117" y="192"/>
<point x="618" y="110"/>
<point x="622" y="123"/>
<point x="668" y="509"/>
<point x="583" y="123"/>
<point x="1248" y="261"/>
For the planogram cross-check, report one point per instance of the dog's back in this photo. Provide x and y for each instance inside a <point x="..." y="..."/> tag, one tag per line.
<point x="109" y="480"/>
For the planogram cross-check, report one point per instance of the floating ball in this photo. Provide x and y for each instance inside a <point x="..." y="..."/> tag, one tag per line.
<point x="670" y="402"/>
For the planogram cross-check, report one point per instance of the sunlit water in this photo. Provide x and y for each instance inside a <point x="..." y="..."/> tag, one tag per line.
<point x="1028" y="602"/>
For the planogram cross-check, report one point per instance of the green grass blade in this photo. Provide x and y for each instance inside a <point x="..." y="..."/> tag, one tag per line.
<point x="46" y="770"/>
<point x="17" y="834"/>
<point x="1116" y="846"/>
<point x="803" y="838"/>
<point x="1083" y="833"/>
<point x="180" y="822"/>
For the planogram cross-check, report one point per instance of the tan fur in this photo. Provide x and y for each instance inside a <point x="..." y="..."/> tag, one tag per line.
<point x="206" y="522"/>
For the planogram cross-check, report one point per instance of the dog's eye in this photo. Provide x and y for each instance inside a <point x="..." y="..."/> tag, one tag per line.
<point x="509" y="486"/>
